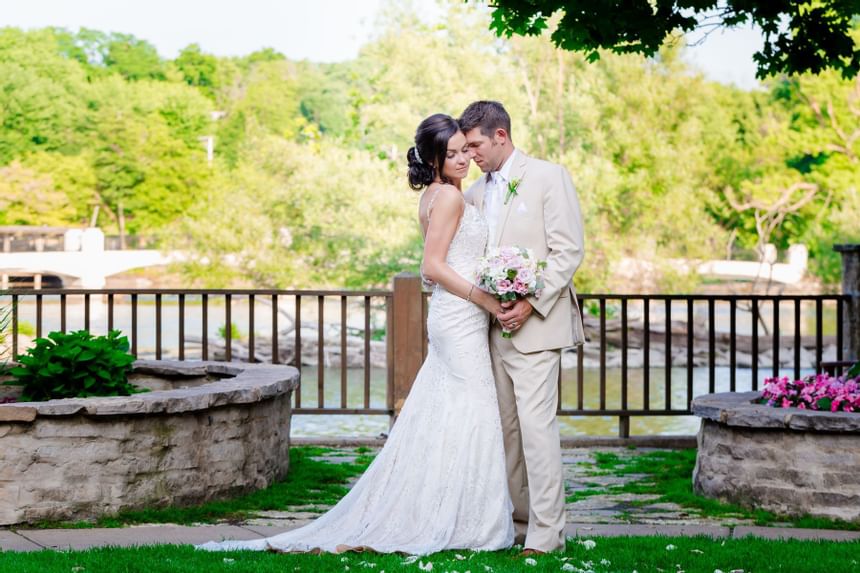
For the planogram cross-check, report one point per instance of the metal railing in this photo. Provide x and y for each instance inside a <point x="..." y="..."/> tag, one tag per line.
<point x="133" y="301"/>
<point x="687" y="328"/>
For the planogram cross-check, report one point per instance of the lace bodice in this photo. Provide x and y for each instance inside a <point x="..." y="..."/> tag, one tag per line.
<point x="469" y="243"/>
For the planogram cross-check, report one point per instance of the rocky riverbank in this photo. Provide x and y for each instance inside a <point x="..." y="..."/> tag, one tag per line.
<point x="355" y="347"/>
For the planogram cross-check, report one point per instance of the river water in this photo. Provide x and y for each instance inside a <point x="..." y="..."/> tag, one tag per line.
<point x="369" y="426"/>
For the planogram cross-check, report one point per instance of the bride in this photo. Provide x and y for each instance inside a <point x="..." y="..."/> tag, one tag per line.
<point x="439" y="482"/>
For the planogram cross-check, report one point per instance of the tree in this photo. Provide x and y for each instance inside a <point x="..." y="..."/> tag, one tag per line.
<point x="198" y="69"/>
<point x="42" y="95"/>
<point x="817" y="35"/>
<point x="30" y="198"/>
<point x="133" y="58"/>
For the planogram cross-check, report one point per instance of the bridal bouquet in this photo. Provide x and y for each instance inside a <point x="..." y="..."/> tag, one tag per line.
<point x="510" y="272"/>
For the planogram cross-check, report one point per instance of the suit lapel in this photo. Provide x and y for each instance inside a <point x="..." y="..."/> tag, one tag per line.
<point x="480" y="190"/>
<point x="518" y="169"/>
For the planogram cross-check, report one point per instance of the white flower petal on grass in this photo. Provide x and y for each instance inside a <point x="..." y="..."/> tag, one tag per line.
<point x="670" y="547"/>
<point x="605" y="562"/>
<point x="226" y="560"/>
<point x="718" y="571"/>
<point x="530" y="562"/>
<point x="568" y="567"/>
<point x="408" y="561"/>
<point x="588" y="543"/>
<point x="459" y="557"/>
<point x="425" y="566"/>
<point x="697" y="551"/>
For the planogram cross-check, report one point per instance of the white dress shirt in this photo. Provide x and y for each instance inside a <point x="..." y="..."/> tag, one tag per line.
<point x="497" y="187"/>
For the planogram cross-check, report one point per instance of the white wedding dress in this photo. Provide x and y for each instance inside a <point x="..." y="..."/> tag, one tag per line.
<point x="439" y="482"/>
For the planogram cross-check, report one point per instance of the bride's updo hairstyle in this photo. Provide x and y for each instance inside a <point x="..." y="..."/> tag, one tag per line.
<point x="431" y="146"/>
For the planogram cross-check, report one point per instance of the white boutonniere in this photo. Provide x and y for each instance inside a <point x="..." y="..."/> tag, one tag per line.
<point x="512" y="189"/>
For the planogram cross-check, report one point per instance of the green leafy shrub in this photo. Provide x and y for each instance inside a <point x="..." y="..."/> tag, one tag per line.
<point x="73" y="365"/>
<point x="26" y="328"/>
<point x="235" y="333"/>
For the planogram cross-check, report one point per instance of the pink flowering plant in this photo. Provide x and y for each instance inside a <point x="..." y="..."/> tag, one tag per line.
<point x="818" y="392"/>
<point x="509" y="273"/>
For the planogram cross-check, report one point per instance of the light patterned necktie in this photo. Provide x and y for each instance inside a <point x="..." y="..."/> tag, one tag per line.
<point x="491" y="202"/>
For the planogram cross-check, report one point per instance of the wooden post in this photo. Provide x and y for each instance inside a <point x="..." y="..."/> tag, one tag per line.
<point x="850" y="287"/>
<point x="623" y="426"/>
<point x="407" y="325"/>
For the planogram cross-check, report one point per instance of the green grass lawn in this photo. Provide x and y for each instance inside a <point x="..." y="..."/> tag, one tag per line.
<point x="312" y="482"/>
<point x="609" y="555"/>
<point x="668" y="474"/>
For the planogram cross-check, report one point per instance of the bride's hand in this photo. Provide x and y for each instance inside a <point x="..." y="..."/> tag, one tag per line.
<point x="488" y="302"/>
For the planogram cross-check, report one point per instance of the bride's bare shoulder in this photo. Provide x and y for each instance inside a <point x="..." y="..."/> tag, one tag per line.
<point x="443" y="194"/>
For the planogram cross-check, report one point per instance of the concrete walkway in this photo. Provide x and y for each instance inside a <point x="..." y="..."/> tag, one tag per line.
<point x="64" y="539"/>
<point x="597" y="515"/>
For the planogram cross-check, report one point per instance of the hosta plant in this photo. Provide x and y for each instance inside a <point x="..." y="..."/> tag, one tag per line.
<point x="74" y="365"/>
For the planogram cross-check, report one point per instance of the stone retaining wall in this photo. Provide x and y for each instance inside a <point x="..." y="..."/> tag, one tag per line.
<point x="222" y="431"/>
<point x="785" y="460"/>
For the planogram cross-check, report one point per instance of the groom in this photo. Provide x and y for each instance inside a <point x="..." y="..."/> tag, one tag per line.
<point x="529" y="203"/>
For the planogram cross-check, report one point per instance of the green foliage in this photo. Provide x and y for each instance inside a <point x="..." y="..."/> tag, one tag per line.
<point x="307" y="185"/>
<point x="800" y="35"/>
<point x="198" y="69"/>
<point x="235" y="333"/>
<point x="24" y="327"/>
<point x="327" y="215"/>
<point x="133" y="58"/>
<point x="76" y="364"/>
<point x="28" y="197"/>
<point x="666" y="475"/>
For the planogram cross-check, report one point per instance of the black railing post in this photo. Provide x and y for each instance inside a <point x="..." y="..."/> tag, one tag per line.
<point x="850" y="288"/>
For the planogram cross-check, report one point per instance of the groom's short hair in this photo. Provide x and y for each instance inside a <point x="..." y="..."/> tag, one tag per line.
<point x="488" y="115"/>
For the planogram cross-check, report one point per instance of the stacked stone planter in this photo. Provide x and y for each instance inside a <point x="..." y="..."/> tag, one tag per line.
<point x="785" y="460"/>
<point x="207" y="430"/>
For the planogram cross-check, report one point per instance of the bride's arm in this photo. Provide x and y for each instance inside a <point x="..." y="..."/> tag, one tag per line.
<point x="447" y="210"/>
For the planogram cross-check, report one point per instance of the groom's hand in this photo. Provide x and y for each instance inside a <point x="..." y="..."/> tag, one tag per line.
<point x="515" y="313"/>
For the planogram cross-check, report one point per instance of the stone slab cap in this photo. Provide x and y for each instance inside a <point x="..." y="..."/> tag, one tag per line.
<point x="248" y="383"/>
<point x="737" y="409"/>
<point x="17" y="413"/>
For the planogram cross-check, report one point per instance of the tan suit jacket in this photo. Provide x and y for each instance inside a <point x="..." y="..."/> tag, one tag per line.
<point x="545" y="217"/>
